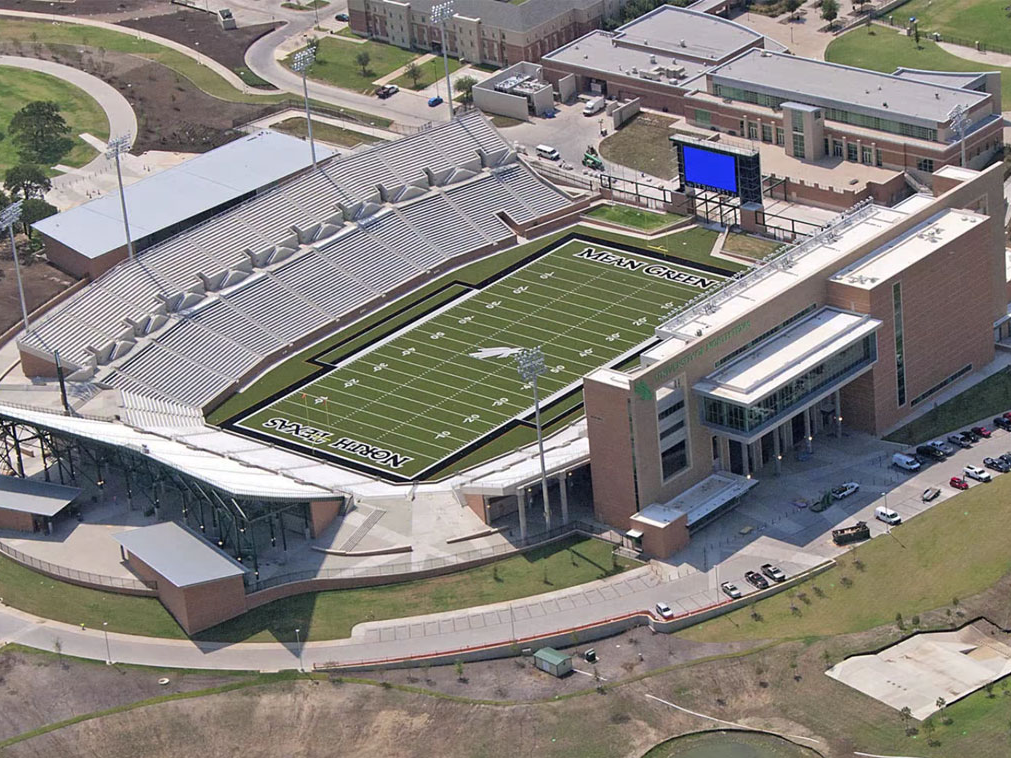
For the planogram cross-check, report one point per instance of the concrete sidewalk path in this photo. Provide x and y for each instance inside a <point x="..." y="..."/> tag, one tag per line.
<point x="118" y="111"/>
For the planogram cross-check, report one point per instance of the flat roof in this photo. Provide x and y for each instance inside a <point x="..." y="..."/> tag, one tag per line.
<point x="596" y="51"/>
<point x="828" y="84"/>
<point x="552" y="656"/>
<point x="788" y="355"/>
<point x="909" y="248"/>
<point x="177" y="554"/>
<point x="34" y="497"/>
<point x="698" y="501"/>
<point x="171" y="196"/>
<point x="960" y="79"/>
<point x="688" y="32"/>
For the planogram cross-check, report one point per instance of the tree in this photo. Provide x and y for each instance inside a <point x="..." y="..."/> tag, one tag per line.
<point x="35" y="209"/>
<point x="830" y="10"/>
<point x="40" y="133"/>
<point x="363" y="59"/>
<point x="465" y="86"/>
<point x="414" y="72"/>
<point x="792" y="6"/>
<point x="26" y="180"/>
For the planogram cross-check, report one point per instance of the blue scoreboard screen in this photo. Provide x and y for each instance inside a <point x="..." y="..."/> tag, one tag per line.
<point x="709" y="169"/>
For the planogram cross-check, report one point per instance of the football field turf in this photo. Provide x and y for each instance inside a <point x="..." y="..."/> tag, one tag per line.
<point x="414" y="400"/>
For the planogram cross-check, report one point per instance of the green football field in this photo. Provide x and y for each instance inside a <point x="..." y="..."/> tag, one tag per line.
<point x="418" y="398"/>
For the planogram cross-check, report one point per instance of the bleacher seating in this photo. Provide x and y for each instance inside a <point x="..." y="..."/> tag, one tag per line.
<point x="193" y="314"/>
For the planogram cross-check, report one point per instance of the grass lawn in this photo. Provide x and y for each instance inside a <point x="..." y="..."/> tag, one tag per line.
<point x="724" y="744"/>
<point x="324" y="132"/>
<point x="752" y="247"/>
<point x="331" y="615"/>
<point x="983" y="20"/>
<point x="990" y="397"/>
<point x="28" y="591"/>
<point x="636" y="218"/>
<point x="335" y="63"/>
<point x="306" y="6"/>
<point x="642" y="144"/>
<point x="885" y="50"/>
<point x="503" y="122"/>
<point x="346" y="31"/>
<point x="430" y="72"/>
<point x="956" y="549"/>
<point x="19" y="87"/>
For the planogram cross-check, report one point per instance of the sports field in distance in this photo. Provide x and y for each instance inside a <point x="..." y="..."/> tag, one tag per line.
<point x="418" y="398"/>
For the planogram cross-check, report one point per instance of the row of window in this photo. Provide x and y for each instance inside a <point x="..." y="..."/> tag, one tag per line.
<point x="765" y="335"/>
<point x="670" y="411"/>
<point x="900" y="361"/>
<point x="941" y="385"/>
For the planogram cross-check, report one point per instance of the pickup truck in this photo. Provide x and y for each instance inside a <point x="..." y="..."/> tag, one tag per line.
<point x="859" y="531"/>
<point x="844" y="490"/>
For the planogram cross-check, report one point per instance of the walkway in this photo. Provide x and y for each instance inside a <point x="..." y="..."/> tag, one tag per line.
<point x="122" y="119"/>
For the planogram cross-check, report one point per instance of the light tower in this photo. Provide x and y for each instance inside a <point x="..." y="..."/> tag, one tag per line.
<point x="115" y="147"/>
<point x="442" y="12"/>
<point x="530" y="364"/>
<point x="8" y="217"/>
<point x="959" y="123"/>
<point x="301" y="63"/>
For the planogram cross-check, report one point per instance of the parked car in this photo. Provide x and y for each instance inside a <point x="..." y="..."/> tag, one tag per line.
<point x="343" y="17"/>
<point x="929" y="452"/>
<point x="775" y="573"/>
<point x="1002" y="423"/>
<point x="959" y="440"/>
<point x="730" y="590"/>
<point x="845" y="490"/>
<point x="434" y="101"/>
<point x="958" y="483"/>
<point x="1006" y="457"/>
<point x="942" y="446"/>
<point x="887" y="515"/>
<point x="663" y="611"/>
<point x="931" y="493"/>
<point x="970" y="435"/>
<point x="386" y="91"/>
<point x="756" y="580"/>
<point x="982" y="431"/>
<point x="997" y="465"/>
<point x="978" y="473"/>
<point x="1007" y="415"/>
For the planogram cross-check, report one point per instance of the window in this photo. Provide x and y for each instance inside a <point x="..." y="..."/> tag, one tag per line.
<point x="941" y="385"/>
<point x="900" y="362"/>
<point x="752" y="131"/>
<point x="925" y="164"/>
<point x="851" y="151"/>
<point x="668" y="412"/>
<point x="837" y="148"/>
<point x="703" y="117"/>
<point x="877" y="157"/>
<point x="826" y="146"/>
<point x="797" y="121"/>
<point x="798" y="145"/>
<point x="766" y="132"/>
<point x="780" y="138"/>
<point x="675" y="428"/>
<point x="674" y="459"/>
<point x="866" y="155"/>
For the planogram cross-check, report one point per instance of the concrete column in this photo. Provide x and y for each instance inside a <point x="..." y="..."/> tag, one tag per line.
<point x="745" y="464"/>
<point x="807" y="429"/>
<point x="777" y="451"/>
<point x="838" y="414"/>
<point x="563" y="490"/>
<point x="521" y="502"/>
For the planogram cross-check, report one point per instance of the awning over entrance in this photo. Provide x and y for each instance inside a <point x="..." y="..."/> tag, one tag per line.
<point x="36" y="498"/>
<point x="789" y="371"/>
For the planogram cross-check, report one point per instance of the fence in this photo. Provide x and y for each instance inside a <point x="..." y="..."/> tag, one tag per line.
<point x="73" y="575"/>
<point x="407" y="568"/>
<point x="351" y="116"/>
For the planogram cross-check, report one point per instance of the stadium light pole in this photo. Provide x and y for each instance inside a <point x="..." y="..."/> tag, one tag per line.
<point x="8" y="217"/>
<point x="115" y="147"/>
<point x="298" y="645"/>
<point x="301" y="63"/>
<point x="530" y="364"/>
<point x="108" y="652"/>
<point x="959" y="121"/>
<point x="441" y="12"/>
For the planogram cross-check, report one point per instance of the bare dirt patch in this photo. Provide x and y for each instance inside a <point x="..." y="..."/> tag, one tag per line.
<point x="41" y="282"/>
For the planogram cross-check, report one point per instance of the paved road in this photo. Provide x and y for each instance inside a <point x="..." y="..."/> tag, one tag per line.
<point x="122" y="119"/>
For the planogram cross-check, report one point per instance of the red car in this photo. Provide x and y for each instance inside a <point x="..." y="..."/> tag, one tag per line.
<point x="982" y="431"/>
<point x="959" y="483"/>
<point x="1007" y="415"/>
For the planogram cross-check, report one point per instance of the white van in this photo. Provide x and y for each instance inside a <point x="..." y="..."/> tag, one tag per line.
<point x="905" y="462"/>
<point x="596" y="105"/>
<point x="883" y="513"/>
<point x="546" y="151"/>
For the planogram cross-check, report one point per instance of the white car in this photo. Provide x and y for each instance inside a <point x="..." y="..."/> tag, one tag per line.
<point x="845" y="490"/>
<point x="976" y="472"/>
<point x="730" y="590"/>
<point x="887" y="515"/>
<point x="663" y="611"/>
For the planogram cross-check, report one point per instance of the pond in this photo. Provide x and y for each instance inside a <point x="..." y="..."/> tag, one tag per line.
<point x="729" y="745"/>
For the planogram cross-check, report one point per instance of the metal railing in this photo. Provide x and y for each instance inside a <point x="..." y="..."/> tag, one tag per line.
<point x="406" y="568"/>
<point x="62" y="572"/>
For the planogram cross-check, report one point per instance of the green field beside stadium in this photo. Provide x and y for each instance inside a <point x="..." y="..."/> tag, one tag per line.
<point x="418" y="398"/>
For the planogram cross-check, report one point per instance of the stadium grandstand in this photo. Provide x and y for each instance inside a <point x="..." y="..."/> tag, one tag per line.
<point x="192" y="318"/>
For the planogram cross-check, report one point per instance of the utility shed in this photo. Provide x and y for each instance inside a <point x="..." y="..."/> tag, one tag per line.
<point x="555" y="663"/>
<point x="27" y="505"/>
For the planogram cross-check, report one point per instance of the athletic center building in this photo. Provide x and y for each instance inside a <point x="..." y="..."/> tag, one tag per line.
<point x="857" y="325"/>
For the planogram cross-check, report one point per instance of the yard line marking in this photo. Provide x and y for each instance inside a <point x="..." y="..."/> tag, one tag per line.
<point x="731" y="723"/>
